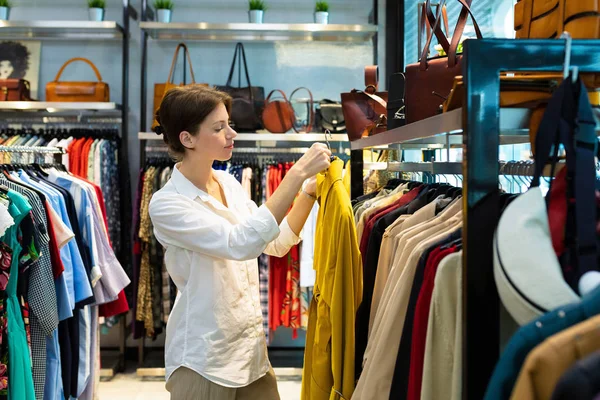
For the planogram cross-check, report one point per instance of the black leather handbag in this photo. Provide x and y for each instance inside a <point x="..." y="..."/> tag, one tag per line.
<point x="329" y="116"/>
<point x="248" y="102"/>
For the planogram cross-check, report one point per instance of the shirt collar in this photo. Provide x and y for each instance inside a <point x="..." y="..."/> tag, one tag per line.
<point x="185" y="187"/>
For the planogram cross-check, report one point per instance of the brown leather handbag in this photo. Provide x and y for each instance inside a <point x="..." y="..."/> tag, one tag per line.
<point x="14" y="90"/>
<point x="429" y="82"/>
<point x="547" y="19"/>
<point x="365" y="111"/>
<point x="278" y="115"/>
<point x="62" y="91"/>
<point x="160" y="89"/>
<point x="519" y="90"/>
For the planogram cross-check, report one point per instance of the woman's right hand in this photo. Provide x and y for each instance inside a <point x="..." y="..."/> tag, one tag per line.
<point x="315" y="160"/>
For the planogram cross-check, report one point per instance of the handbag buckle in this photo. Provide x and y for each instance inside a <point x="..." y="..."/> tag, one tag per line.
<point x="5" y="91"/>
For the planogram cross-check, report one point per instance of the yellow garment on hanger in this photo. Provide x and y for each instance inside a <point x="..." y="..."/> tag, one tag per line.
<point x="346" y="179"/>
<point x="329" y="354"/>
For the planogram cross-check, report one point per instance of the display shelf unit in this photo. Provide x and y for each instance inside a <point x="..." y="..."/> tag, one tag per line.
<point x="55" y="106"/>
<point x="481" y="126"/>
<point x="65" y="30"/>
<point x="447" y="128"/>
<point x="30" y="112"/>
<point x="259" y="32"/>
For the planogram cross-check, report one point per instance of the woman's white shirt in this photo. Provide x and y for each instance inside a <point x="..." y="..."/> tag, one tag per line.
<point x="216" y="326"/>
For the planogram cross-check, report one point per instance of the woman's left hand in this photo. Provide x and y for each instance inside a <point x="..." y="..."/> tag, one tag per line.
<point x="310" y="186"/>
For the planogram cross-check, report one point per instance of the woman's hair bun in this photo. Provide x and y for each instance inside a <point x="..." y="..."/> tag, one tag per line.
<point x="158" y="129"/>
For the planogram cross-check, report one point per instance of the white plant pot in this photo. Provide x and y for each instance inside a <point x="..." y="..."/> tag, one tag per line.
<point x="256" y="16"/>
<point x="96" y="14"/>
<point x="321" y="17"/>
<point x="163" y="15"/>
<point x="4" y="13"/>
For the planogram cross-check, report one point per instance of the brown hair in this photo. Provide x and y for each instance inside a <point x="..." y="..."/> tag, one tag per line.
<point x="184" y="108"/>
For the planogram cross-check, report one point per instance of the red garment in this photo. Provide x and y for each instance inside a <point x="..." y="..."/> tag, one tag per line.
<point x="75" y="155"/>
<point x="277" y="266"/>
<point x="291" y="312"/>
<point x="370" y="222"/>
<point x="57" y="265"/>
<point x="116" y="307"/>
<point x="85" y="157"/>
<point x="284" y="274"/>
<point x="421" y="320"/>
<point x="557" y="211"/>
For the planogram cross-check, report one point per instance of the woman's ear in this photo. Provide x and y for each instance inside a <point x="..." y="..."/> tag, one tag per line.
<point x="186" y="140"/>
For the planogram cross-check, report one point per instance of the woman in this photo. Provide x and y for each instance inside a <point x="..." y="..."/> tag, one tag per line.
<point x="215" y="346"/>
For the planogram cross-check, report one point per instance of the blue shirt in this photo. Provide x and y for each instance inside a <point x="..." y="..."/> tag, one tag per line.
<point x="80" y="288"/>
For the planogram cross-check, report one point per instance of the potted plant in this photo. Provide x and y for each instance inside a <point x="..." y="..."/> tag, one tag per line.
<point x="257" y="11"/>
<point x="4" y="9"/>
<point x="321" y="12"/>
<point x="164" y="9"/>
<point x="96" y="10"/>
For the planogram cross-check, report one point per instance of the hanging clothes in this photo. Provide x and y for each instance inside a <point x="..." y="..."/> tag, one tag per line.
<point x="406" y="232"/>
<point x="55" y="284"/>
<point x="329" y="355"/>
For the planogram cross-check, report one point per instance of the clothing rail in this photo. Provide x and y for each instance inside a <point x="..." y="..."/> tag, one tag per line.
<point x="516" y="168"/>
<point x="32" y="149"/>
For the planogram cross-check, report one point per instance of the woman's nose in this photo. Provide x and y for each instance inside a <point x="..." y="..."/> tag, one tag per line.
<point x="231" y="133"/>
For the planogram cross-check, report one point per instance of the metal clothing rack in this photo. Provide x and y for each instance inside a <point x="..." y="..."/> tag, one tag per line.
<point x="56" y="151"/>
<point x="39" y="112"/>
<point x="482" y="126"/>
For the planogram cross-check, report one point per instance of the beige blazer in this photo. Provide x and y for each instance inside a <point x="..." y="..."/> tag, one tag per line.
<point x="553" y="357"/>
<point x="382" y="348"/>
<point x="442" y="366"/>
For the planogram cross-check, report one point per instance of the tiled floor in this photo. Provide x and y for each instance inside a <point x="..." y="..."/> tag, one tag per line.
<point x="128" y="386"/>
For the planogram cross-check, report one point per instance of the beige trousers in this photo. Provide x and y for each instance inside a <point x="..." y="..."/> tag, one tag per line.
<point x="185" y="384"/>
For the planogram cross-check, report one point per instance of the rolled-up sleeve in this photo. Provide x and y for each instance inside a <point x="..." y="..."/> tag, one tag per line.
<point x="282" y="244"/>
<point x="177" y="222"/>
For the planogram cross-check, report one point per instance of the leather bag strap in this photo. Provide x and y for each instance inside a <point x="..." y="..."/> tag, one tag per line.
<point x="273" y="92"/>
<point x="378" y="99"/>
<point x="434" y="28"/>
<point x="189" y="60"/>
<point x="85" y="60"/>
<point x="371" y="78"/>
<point x="239" y="49"/>
<point x="425" y="50"/>
<point x="311" y="108"/>
<point x="460" y="28"/>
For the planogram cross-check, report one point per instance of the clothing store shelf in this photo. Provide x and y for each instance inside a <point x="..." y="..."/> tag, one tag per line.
<point x="446" y="129"/>
<point x="54" y="106"/>
<point x="65" y="30"/>
<point x="259" y="32"/>
<point x="440" y="129"/>
<point x="436" y="168"/>
<point x="268" y="137"/>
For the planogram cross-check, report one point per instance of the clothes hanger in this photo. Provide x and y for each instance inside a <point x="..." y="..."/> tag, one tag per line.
<point x="573" y="71"/>
<point x="327" y="137"/>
